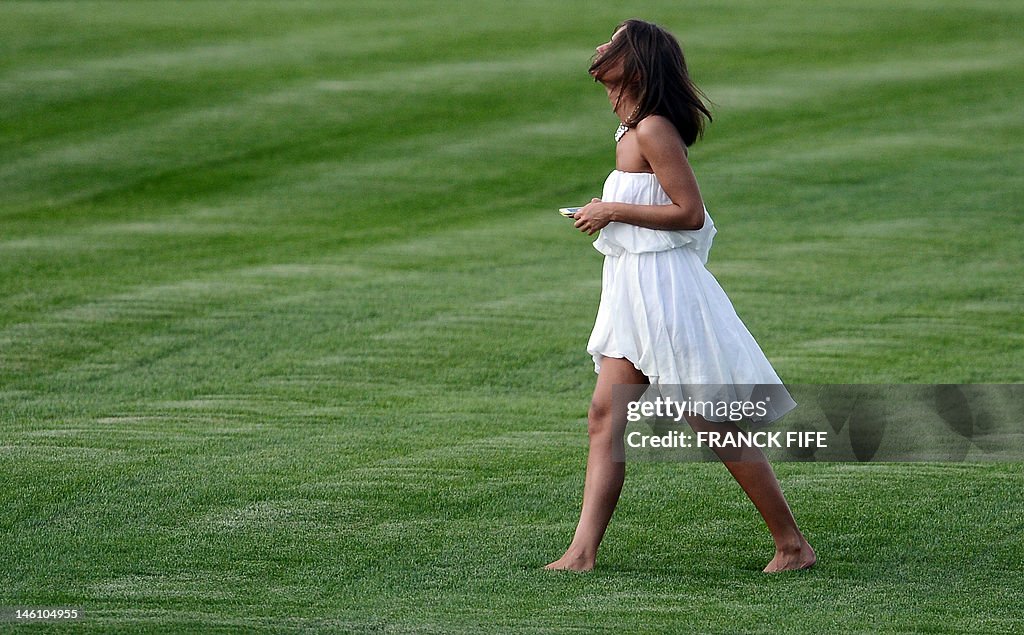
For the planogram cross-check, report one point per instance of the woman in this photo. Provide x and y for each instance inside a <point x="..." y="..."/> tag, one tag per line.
<point x="663" y="319"/>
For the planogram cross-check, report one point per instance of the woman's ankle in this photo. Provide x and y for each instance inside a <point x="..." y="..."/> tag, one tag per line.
<point x="790" y="542"/>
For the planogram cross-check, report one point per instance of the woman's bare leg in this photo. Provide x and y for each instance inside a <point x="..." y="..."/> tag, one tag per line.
<point x="606" y="468"/>
<point x="754" y="473"/>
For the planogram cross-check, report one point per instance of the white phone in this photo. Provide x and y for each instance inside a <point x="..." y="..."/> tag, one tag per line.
<point x="568" y="211"/>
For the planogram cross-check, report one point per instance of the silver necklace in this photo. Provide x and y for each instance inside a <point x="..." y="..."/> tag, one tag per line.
<point x="621" y="130"/>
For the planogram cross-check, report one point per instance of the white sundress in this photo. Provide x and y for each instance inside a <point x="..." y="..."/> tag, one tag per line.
<point x="662" y="310"/>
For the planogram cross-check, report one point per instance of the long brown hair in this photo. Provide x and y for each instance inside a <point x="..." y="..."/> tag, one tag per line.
<point x="653" y="68"/>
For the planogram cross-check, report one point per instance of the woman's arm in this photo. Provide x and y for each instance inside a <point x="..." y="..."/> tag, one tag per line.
<point x="662" y="147"/>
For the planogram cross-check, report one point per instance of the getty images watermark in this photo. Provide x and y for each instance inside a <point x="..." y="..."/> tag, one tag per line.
<point x="856" y="423"/>
<point x="668" y="409"/>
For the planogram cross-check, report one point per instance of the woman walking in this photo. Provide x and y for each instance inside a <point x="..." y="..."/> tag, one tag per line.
<point x="663" y="319"/>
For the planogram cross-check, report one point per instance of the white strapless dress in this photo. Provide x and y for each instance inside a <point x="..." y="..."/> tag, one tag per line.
<point x="662" y="310"/>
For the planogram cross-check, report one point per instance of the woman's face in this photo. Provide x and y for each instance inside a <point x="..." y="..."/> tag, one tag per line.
<point x="601" y="48"/>
<point x="613" y="74"/>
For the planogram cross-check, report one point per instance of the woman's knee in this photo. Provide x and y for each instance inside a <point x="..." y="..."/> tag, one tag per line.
<point x="599" y="419"/>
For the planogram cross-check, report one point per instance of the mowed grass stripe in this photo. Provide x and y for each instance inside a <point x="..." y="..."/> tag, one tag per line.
<point x="355" y="302"/>
<point x="317" y="115"/>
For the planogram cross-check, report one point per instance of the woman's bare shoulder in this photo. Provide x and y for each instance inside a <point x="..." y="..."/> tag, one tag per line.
<point x="653" y="126"/>
<point x="656" y="133"/>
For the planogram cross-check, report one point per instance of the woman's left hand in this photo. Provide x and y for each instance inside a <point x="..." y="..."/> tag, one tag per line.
<point x="592" y="217"/>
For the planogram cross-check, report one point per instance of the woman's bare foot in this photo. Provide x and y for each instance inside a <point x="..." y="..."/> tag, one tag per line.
<point x="572" y="561"/>
<point x="799" y="556"/>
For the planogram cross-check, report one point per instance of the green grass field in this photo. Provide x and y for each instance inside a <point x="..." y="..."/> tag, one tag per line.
<point x="292" y="337"/>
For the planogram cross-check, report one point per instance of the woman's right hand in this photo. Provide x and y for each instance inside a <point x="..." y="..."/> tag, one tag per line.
<point x="593" y="216"/>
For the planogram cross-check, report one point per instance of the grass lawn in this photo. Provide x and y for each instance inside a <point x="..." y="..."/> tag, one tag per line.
<point x="292" y="337"/>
